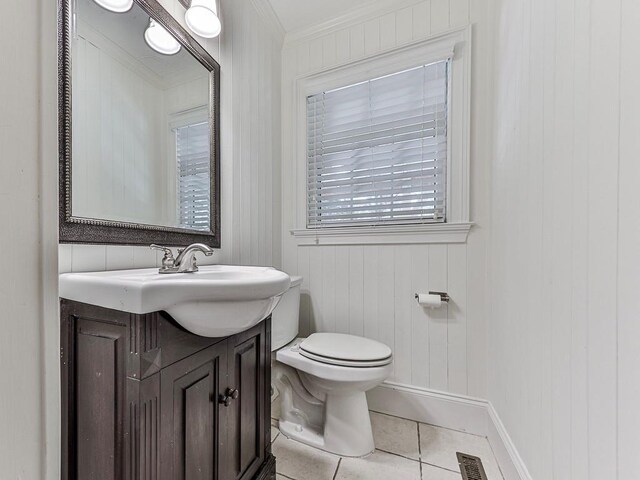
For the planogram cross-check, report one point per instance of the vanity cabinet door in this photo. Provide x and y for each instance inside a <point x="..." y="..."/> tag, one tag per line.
<point x="193" y="436"/>
<point x="249" y="358"/>
<point x="93" y="357"/>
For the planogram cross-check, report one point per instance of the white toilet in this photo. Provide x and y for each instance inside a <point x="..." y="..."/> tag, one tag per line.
<point x="322" y="380"/>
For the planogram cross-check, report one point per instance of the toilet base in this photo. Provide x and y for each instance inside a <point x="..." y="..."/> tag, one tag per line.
<point x="347" y="427"/>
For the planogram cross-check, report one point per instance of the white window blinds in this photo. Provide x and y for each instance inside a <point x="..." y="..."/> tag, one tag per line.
<point x="377" y="150"/>
<point x="193" y="183"/>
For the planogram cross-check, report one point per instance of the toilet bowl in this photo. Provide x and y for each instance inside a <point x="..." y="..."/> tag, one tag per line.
<point x="322" y="382"/>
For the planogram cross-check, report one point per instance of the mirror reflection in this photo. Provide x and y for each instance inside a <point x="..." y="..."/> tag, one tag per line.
<point x="140" y="129"/>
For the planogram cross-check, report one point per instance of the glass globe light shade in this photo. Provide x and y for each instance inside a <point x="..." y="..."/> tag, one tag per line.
<point x="202" y="18"/>
<point x="158" y="38"/>
<point x="117" y="6"/>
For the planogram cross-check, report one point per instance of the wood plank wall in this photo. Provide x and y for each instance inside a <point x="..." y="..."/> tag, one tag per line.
<point x="565" y="263"/>
<point x="368" y="290"/>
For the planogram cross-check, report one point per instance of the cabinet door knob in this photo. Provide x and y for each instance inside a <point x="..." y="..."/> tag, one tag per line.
<point x="230" y="394"/>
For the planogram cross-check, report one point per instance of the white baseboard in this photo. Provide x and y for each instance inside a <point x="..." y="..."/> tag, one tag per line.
<point x="509" y="459"/>
<point x="458" y="412"/>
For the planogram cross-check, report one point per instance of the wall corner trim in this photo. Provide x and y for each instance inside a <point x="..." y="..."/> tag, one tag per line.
<point x="457" y="412"/>
<point x="265" y="10"/>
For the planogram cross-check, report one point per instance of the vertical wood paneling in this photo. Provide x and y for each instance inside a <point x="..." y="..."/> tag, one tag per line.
<point x="329" y="51"/>
<point x="316" y="287"/>
<point x="574" y="331"/>
<point x="315" y="54"/>
<point x="438" y="328"/>
<point x="628" y="241"/>
<point x="304" y="58"/>
<point x="356" y="290"/>
<point x="560" y="262"/>
<point x="459" y="11"/>
<point x="372" y="37"/>
<point x="341" y="323"/>
<point x="356" y="41"/>
<point x="329" y="289"/>
<point x="457" y="318"/>
<point x="388" y="31"/>
<point x="370" y="287"/>
<point x="604" y="129"/>
<point x="24" y="145"/>
<point x="343" y="45"/>
<point x="402" y="311"/>
<point x="386" y="294"/>
<point x="579" y="248"/>
<point x="305" y="290"/>
<point x="421" y="20"/>
<point x="439" y="15"/>
<point x="404" y="26"/>
<point x="419" y="318"/>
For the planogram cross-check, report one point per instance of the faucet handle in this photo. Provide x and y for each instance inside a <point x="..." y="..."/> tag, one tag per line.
<point x="168" y="262"/>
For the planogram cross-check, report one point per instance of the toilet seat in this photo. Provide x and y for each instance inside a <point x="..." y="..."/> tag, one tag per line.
<point x="345" y="350"/>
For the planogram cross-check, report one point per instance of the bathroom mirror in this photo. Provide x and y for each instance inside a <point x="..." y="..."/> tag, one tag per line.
<point x="139" y="127"/>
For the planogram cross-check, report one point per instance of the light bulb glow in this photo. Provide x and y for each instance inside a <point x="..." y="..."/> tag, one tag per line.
<point x="117" y="6"/>
<point x="158" y="38"/>
<point x="202" y="18"/>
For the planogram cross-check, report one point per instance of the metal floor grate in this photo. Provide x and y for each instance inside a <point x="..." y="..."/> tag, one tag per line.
<point x="471" y="467"/>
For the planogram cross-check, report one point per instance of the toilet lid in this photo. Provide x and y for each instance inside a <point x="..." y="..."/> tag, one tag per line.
<point x="346" y="350"/>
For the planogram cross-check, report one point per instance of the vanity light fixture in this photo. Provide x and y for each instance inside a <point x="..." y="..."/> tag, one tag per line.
<point x="202" y="18"/>
<point x="117" y="6"/>
<point x="158" y="38"/>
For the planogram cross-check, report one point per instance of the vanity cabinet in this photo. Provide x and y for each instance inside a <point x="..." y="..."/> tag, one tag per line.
<point x="143" y="399"/>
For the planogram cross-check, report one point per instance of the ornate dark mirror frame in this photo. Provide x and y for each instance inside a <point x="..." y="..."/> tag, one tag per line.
<point x="88" y="230"/>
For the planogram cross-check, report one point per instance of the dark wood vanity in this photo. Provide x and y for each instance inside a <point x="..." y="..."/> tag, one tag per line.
<point x="144" y="399"/>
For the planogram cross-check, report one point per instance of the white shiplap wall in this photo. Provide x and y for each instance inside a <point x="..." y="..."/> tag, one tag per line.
<point x="249" y="51"/>
<point x="368" y="290"/>
<point x="565" y="261"/>
<point x="22" y="420"/>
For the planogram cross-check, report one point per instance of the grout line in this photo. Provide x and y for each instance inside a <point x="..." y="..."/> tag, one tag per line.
<point x="440" y="467"/>
<point x="335" y="474"/>
<point x="419" y="446"/>
<point x="285" y="476"/>
<point x="397" y="455"/>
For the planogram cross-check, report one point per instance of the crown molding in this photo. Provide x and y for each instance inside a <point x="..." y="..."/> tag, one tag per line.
<point x="357" y="15"/>
<point x="266" y="11"/>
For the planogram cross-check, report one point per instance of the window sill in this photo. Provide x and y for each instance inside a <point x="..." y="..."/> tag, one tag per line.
<point x="384" y="235"/>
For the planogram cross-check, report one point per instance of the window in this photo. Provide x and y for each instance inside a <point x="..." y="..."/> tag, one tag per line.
<point x="192" y="178"/>
<point x="377" y="150"/>
<point x="382" y="147"/>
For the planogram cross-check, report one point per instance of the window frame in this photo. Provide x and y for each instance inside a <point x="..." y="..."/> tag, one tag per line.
<point x="455" y="45"/>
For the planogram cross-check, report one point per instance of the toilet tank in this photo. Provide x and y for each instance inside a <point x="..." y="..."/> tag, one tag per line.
<point x="284" y="319"/>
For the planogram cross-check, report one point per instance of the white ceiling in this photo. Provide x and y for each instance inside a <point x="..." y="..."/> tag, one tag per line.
<point x="296" y="14"/>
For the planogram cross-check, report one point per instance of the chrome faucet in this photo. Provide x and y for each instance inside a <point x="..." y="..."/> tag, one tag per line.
<point x="185" y="262"/>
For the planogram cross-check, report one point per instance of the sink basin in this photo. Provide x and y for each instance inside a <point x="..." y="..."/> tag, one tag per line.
<point x="217" y="301"/>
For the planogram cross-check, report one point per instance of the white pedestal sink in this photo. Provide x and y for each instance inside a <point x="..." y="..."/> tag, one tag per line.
<point x="216" y="301"/>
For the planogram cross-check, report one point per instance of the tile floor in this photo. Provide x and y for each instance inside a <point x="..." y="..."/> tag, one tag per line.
<point x="405" y="450"/>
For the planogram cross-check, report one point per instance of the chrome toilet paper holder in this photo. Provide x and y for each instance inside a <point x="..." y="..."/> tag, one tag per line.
<point x="444" y="296"/>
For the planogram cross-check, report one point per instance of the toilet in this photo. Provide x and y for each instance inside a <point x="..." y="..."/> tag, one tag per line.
<point x="322" y="380"/>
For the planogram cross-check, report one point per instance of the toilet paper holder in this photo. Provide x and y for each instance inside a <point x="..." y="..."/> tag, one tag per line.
<point x="444" y="296"/>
